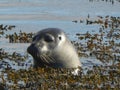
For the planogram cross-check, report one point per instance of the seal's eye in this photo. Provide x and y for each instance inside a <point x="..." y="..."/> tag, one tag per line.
<point x="49" y="38"/>
<point x="60" y="37"/>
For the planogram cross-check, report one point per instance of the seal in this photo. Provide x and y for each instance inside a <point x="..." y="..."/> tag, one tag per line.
<point x="51" y="47"/>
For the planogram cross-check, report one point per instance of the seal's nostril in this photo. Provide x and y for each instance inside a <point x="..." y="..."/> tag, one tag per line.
<point x="32" y="45"/>
<point x="32" y="48"/>
<point x="29" y="49"/>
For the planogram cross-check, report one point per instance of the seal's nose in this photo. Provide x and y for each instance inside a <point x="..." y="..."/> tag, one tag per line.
<point x="30" y="48"/>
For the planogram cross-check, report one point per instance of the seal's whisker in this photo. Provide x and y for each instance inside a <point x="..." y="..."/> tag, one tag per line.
<point x="40" y="57"/>
<point x="51" y="59"/>
<point x="37" y="55"/>
<point x="44" y="59"/>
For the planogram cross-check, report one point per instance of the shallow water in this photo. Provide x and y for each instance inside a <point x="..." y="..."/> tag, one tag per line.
<point x="32" y="16"/>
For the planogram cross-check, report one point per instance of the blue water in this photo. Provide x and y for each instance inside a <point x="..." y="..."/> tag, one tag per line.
<point x="34" y="15"/>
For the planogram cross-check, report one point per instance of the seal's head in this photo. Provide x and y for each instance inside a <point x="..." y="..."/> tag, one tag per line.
<point x="51" y="47"/>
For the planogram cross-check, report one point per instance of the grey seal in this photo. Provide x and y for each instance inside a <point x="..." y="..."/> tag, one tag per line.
<point x="51" y="47"/>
